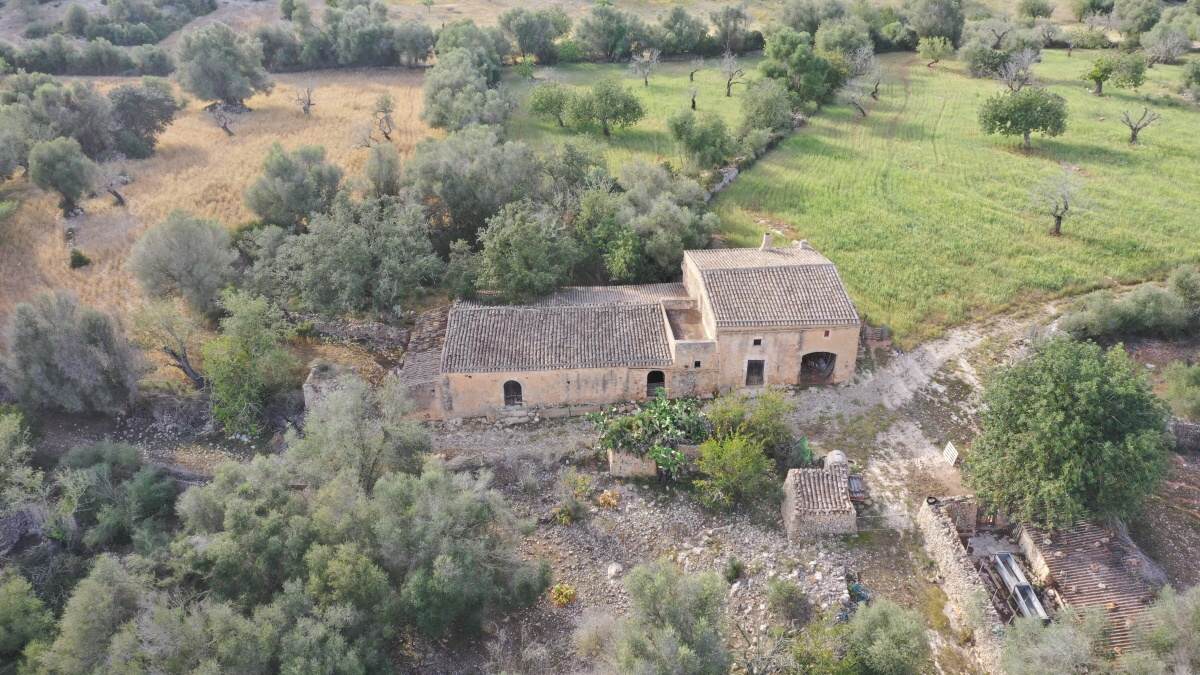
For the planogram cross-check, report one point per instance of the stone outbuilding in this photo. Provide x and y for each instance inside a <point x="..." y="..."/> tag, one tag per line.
<point x="816" y="502"/>
<point x="742" y="318"/>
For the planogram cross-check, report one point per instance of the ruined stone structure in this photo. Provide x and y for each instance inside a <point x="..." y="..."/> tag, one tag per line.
<point x="816" y="502"/>
<point x="1095" y="565"/>
<point x="740" y="318"/>
<point x="942" y="521"/>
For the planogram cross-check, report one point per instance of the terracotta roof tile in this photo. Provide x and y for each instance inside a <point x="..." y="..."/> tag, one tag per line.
<point x="530" y="337"/>
<point x="800" y="295"/>
<point x="821" y="490"/>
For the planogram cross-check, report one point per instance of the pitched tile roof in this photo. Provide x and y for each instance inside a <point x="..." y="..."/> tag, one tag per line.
<point x="613" y="295"/>
<point x="793" y="286"/>
<point x="550" y="337"/>
<point x="821" y="490"/>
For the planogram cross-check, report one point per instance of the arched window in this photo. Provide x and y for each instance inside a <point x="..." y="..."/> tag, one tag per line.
<point x="655" y="380"/>
<point x="512" y="393"/>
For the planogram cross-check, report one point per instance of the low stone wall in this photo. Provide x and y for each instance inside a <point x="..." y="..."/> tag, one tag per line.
<point x="962" y="585"/>
<point x="1187" y="435"/>
<point x="626" y="465"/>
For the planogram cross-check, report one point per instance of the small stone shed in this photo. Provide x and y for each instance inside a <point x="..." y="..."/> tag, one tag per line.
<point x="816" y="502"/>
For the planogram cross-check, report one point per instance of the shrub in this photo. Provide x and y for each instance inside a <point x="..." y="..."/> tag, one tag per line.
<point x="843" y="36"/>
<point x="1035" y="9"/>
<point x="736" y="470"/>
<point x="982" y="60"/>
<point x="609" y="499"/>
<point x="1146" y="311"/>
<point x="562" y="595"/>
<point x="140" y="114"/>
<point x="185" y="256"/>
<point x="23" y="617"/>
<point x="761" y="418"/>
<point x="1088" y="38"/>
<point x="733" y="570"/>
<point x="1081" y="9"/>
<point x="457" y="94"/>
<point x="788" y="603"/>
<point x="527" y="252"/>
<point x="1185" y="283"/>
<point x="766" y="106"/>
<point x="1183" y="390"/>
<point x="887" y="638"/>
<point x="62" y="355"/>
<point x="78" y="259"/>
<point x="248" y="362"/>
<point x="1191" y="79"/>
<point x="675" y="623"/>
<point x="703" y="139"/>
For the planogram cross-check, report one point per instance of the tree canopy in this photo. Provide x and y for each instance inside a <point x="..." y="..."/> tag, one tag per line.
<point x="1021" y="113"/>
<point x="216" y="63"/>
<point x="1069" y="432"/>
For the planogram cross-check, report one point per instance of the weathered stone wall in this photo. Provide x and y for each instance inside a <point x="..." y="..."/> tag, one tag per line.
<point x="801" y="526"/>
<point x="1187" y="435"/>
<point x="961" y="583"/>
<point x="627" y="465"/>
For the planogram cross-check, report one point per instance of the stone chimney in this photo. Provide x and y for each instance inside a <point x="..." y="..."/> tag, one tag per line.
<point x="766" y="241"/>
<point x="803" y="243"/>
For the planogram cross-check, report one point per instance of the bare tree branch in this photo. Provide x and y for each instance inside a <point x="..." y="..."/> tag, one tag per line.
<point x="304" y="98"/>
<point x="1135" y="126"/>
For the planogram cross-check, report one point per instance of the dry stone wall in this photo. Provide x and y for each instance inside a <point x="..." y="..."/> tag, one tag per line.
<point x="960" y="581"/>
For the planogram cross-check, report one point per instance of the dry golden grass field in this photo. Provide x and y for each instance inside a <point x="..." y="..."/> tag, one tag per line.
<point x="199" y="169"/>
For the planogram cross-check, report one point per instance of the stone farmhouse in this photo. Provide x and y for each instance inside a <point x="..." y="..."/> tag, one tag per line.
<point x="741" y="318"/>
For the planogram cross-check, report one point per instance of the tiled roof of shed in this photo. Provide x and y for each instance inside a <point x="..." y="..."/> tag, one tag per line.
<point x="821" y="490"/>
<point x="738" y="258"/>
<point x="1093" y="566"/>
<point x="530" y="337"/>
<point x="806" y="294"/>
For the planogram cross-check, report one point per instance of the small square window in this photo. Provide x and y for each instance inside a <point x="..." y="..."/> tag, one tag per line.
<point x="826" y="333"/>
<point x="695" y="364"/>
<point x="757" y="342"/>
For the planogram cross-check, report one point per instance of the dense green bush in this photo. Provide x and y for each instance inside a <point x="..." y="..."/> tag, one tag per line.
<point x="888" y="639"/>
<point x="1058" y="425"/>
<point x="703" y="139"/>
<point x="736" y="470"/>
<point x="1147" y="311"/>
<point x="294" y="186"/>
<point x="185" y="256"/>
<point x="23" y="616"/>
<point x="1183" y="390"/>
<point x="674" y="625"/>
<point x="71" y="357"/>
<point x="766" y="106"/>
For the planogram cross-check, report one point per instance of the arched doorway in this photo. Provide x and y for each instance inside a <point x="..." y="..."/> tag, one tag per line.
<point x="817" y="367"/>
<point x="512" y="393"/>
<point x="656" y="380"/>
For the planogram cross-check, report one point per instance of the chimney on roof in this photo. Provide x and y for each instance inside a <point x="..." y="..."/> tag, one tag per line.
<point x="766" y="242"/>
<point x="803" y="243"/>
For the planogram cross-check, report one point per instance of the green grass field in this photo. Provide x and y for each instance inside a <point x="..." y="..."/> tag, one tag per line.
<point x="928" y="219"/>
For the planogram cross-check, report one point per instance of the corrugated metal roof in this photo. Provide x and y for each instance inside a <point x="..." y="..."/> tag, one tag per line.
<point x="1093" y="566"/>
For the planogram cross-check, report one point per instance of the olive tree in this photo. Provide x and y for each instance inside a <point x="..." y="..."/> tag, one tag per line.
<point x="373" y="255"/>
<point x="934" y="48"/>
<point x="185" y="256"/>
<point x="1021" y="113"/>
<point x="766" y="106"/>
<point x="140" y="114"/>
<point x="644" y="63"/>
<point x="535" y="31"/>
<point x="354" y="427"/>
<point x="1172" y="630"/>
<point x="457" y="94"/>
<point x="551" y="100"/>
<point x="608" y="105"/>
<point x="215" y="63"/>
<point x="23" y="616"/>
<point x="1057" y="197"/>
<point x="527" y="252"/>
<point x="1136" y="126"/>
<point x="704" y="139"/>
<point x="1058" y="425"/>
<point x="935" y="18"/>
<point x="160" y="325"/>
<point x="63" y="355"/>
<point x="1166" y="43"/>
<point x="294" y="185"/>
<point x="61" y="166"/>
<point x="383" y="170"/>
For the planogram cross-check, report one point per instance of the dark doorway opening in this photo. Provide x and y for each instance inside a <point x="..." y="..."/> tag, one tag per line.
<point x="656" y="381"/>
<point x="817" y="367"/>
<point x="754" y="373"/>
<point x="512" y="393"/>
